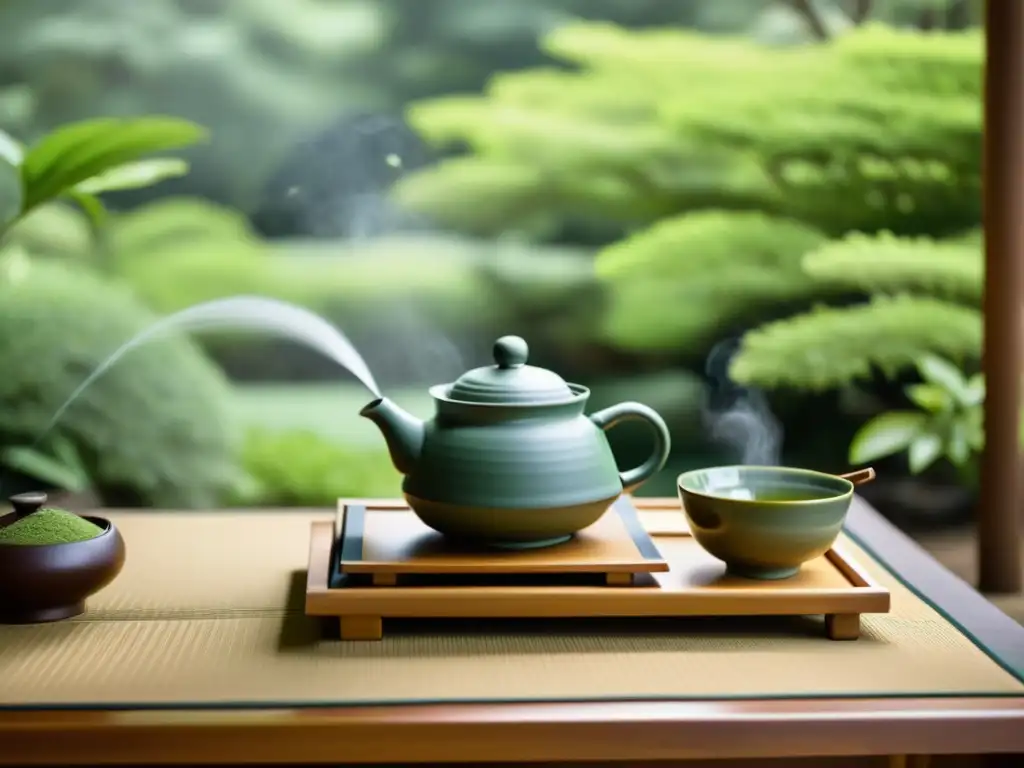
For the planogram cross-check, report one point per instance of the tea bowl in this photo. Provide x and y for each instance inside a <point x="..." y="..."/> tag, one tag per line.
<point x="764" y="522"/>
<point x="50" y="582"/>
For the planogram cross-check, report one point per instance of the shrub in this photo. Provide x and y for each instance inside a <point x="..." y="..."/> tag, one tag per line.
<point x="153" y="430"/>
<point x="180" y="251"/>
<point x="300" y="468"/>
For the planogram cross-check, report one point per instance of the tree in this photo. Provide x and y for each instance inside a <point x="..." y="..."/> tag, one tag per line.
<point x="822" y="199"/>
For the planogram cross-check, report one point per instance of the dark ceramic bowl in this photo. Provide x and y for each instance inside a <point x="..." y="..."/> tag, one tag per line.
<point x="50" y="582"/>
<point x="764" y="522"/>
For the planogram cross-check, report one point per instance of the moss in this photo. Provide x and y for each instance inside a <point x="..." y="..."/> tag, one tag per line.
<point x="49" y="526"/>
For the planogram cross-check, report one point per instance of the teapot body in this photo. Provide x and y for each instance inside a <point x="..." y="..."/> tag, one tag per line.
<point x="513" y="475"/>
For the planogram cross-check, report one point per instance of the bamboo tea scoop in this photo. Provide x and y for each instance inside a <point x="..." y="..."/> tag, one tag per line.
<point x="860" y="477"/>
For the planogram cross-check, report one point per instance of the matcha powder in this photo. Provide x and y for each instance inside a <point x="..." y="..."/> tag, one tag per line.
<point x="49" y="526"/>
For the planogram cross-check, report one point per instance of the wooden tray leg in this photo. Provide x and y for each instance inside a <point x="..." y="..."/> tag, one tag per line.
<point x="909" y="761"/>
<point x="618" y="579"/>
<point x="842" y="626"/>
<point x="362" y="628"/>
<point x="385" y="579"/>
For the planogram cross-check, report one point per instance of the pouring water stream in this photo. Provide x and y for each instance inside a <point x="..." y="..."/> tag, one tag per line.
<point x="240" y="313"/>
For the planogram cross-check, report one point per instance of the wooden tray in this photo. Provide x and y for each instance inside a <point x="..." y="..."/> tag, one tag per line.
<point x="377" y="546"/>
<point x="695" y="585"/>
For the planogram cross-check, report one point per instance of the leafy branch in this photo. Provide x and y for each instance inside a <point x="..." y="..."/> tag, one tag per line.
<point x="946" y="424"/>
<point x="82" y="160"/>
<point x="831" y="346"/>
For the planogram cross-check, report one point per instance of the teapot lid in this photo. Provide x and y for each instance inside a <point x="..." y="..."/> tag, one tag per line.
<point x="510" y="380"/>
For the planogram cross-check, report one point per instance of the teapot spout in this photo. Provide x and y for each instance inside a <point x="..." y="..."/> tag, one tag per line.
<point x="402" y="431"/>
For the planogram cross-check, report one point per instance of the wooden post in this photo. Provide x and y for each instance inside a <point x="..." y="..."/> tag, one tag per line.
<point x="1000" y="508"/>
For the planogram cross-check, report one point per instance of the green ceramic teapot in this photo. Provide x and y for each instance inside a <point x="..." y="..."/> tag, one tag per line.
<point x="509" y="458"/>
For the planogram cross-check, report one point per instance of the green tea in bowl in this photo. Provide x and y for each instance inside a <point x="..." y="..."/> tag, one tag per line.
<point x="49" y="526"/>
<point x="764" y="522"/>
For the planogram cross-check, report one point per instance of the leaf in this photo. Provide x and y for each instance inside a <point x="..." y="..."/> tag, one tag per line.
<point x="975" y="390"/>
<point x="886" y="434"/>
<point x="943" y="373"/>
<point x="46" y="154"/>
<point x="10" y="194"/>
<point x="44" y="468"/>
<point x="141" y="173"/>
<point x="959" y="445"/>
<point x="924" y="450"/>
<point x="10" y="149"/>
<point x="92" y="207"/>
<point x="973" y="422"/>
<point x="65" y="451"/>
<point x="930" y="397"/>
<point x="70" y="156"/>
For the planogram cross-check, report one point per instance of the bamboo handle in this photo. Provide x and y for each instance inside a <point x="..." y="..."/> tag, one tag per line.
<point x="859" y="477"/>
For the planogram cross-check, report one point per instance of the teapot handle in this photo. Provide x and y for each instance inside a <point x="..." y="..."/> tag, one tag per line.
<point x="609" y="417"/>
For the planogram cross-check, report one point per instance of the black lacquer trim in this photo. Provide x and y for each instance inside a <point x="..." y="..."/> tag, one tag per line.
<point x="348" y="547"/>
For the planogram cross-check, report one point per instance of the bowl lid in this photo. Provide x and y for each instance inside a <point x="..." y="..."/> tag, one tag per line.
<point x="27" y="503"/>
<point x="510" y="379"/>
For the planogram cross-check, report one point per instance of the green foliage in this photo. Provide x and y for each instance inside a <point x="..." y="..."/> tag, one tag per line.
<point x="79" y="161"/>
<point x="839" y="177"/>
<point x="883" y="263"/>
<point x="946" y="425"/>
<point x="153" y="430"/>
<point x="683" y="282"/>
<point x="503" y="190"/>
<point x="886" y="434"/>
<point x="879" y="130"/>
<point x="263" y="74"/>
<point x="56" y="230"/>
<point x="830" y="346"/>
<point x="299" y="468"/>
<point x="142" y="173"/>
<point x="10" y="192"/>
<point x="688" y="246"/>
<point x="180" y="251"/>
<point x="91" y="156"/>
<point x="330" y="410"/>
<point x="927" y="300"/>
<point x="59" y="467"/>
<point x="84" y="159"/>
<point x="274" y="67"/>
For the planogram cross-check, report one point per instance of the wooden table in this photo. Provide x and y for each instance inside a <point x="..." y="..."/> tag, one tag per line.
<point x="817" y="732"/>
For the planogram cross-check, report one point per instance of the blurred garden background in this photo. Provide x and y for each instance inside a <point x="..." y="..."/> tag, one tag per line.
<point x="759" y="217"/>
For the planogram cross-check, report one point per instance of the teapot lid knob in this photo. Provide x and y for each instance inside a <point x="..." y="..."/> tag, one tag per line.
<point x="510" y="352"/>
